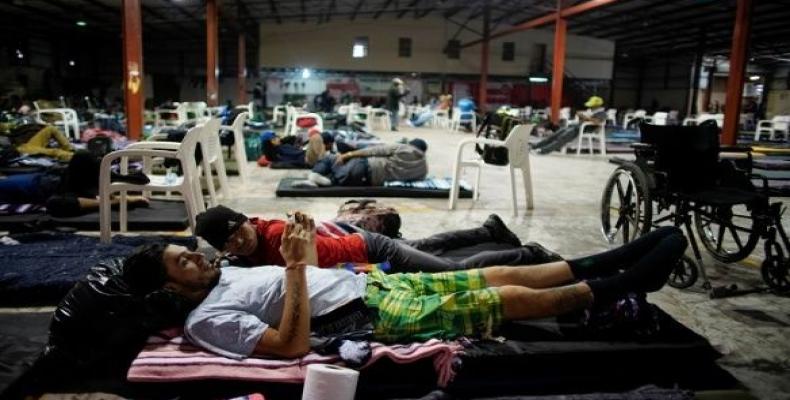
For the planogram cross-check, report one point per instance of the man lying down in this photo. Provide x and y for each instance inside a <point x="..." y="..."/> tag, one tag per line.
<point x="267" y="310"/>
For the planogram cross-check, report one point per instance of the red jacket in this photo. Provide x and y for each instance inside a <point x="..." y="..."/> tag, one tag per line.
<point x="331" y="251"/>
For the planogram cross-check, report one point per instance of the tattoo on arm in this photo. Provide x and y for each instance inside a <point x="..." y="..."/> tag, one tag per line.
<point x="295" y="294"/>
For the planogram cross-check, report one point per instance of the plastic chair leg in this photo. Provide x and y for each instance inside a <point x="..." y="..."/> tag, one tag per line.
<point x="477" y="183"/>
<point x="105" y="218"/>
<point x="123" y="212"/>
<point x="513" y="199"/>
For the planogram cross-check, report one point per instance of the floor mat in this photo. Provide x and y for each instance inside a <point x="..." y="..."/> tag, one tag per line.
<point x="160" y="215"/>
<point x="22" y="337"/>
<point x="286" y="189"/>
<point x="41" y="269"/>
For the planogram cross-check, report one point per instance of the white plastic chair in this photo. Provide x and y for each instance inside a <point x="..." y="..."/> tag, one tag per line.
<point x="379" y="118"/>
<point x="296" y="117"/>
<point x="199" y="111"/>
<point x="777" y="124"/>
<point x="660" y="118"/>
<point x="460" y="117"/>
<point x="188" y="184"/>
<point x="239" y="152"/>
<point x="215" y="161"/>
<point x="441" y="119"/>
<point x="517" y="144"/>
<point x="719" y="118"/>
<point x="634" y="115"/>
<point x="64" y="118"/>
<point x="170" y="116"/>
<point x="591" y="131"/>
<point x="565" y="115"/>
<point x="611" y="116"/>
<point x="278" y="115"/>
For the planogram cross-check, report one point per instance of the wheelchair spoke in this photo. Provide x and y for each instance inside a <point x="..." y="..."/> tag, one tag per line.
<point x="720" y="238"/>
<point x="620" y="193"/>
<point x="736" y="237"/>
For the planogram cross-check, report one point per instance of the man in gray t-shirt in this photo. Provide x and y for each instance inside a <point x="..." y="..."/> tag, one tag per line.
<point x="267" y="311"/>
<point x="374" y="165"/>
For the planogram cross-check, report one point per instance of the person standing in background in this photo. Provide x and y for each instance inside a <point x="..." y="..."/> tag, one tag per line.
<point x="396" y="92"/>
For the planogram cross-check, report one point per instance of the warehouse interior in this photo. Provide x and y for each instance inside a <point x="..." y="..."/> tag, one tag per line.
<point x="400" y="199"/>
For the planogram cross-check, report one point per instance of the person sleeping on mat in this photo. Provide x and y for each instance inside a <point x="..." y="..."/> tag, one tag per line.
<point x="257" y="241"/>
<point x="267" y="310"/>
<point x="373" y="165"/>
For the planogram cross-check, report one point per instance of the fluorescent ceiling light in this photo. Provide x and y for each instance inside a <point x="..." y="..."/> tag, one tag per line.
<point x="538" y="79"/>
<point x="754" y="77"/>
<point x="81" y="23"/>
<point x="305" y="73"/>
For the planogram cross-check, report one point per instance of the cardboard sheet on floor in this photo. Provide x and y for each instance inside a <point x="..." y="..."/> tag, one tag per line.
<point x="286" y="189"/>
<point x="160" y="215"/>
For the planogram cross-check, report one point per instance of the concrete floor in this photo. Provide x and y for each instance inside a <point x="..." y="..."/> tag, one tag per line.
<point x="566" y="219"/>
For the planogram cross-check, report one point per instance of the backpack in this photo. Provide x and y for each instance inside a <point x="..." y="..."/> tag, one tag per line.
<point x="495" y="126"/>
<point x="370" y="216"/>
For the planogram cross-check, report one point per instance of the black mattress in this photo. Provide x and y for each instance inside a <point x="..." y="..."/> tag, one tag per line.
<point x="285" y="189"/>
<point x="539" y="357"/>
<point x="160" y="215"/>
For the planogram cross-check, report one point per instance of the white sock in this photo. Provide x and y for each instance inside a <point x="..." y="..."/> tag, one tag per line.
<point x="319" y="179"/>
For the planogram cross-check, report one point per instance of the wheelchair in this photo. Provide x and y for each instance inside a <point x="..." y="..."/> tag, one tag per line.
<point x="680" y="178"/>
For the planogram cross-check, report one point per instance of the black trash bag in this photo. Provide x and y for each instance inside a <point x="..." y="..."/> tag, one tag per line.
<point x="100" y="326"/>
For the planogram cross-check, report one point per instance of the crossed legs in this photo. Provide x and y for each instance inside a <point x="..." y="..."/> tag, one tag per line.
<point x="549" y="289"/>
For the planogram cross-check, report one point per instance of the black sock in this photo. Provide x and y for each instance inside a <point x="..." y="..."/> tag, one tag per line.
<point x="649" y="274"/>
<point x="610" y="262"/>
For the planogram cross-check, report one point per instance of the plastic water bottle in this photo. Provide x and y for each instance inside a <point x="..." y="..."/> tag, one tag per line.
<point x="170" y="176"/>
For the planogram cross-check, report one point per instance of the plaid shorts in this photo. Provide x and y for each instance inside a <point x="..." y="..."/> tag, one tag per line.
<point x="420" y="306"/>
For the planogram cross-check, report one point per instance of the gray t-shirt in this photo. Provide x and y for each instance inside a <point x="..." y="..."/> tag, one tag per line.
<point x="246" y="301"/>
<point x="394" y="162"/>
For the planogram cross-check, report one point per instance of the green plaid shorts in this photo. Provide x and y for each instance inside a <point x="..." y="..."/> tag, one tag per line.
<point x="421" y="306"/>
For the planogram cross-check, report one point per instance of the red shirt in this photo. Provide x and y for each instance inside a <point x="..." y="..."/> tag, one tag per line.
<point x="331" y="250"/>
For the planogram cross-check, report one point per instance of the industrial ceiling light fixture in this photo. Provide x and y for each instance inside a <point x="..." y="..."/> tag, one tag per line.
<point x="306" y="73"/>
<point x="81" y="23"/>
<point x="754" y="78"/>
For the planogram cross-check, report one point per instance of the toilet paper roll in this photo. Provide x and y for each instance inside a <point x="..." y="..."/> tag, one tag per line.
<point x="329" y="382"/>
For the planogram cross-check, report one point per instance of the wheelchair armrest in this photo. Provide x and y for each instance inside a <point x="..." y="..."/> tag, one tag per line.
<point x="762" y="178"/>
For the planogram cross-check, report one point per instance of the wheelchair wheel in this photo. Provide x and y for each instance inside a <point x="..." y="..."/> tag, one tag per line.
<point x="626" y="208"/>
<point x="775" y="269"/>
<point x="729" y="233"/>
<point x="685" y="273"/>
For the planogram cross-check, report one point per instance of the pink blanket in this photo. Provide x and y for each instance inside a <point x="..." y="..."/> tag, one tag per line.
<point x="168" y="357"/>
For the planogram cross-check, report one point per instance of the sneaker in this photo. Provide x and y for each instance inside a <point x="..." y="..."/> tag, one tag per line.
<point x="500" y="232"/>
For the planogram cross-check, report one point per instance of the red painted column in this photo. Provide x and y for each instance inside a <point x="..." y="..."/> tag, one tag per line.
<point x="738" y="57"/>
<point x="133" y="68"/>
<point x="558" y="68"/>
<point x="212" y="52"/>
<point x="242" y="79"/>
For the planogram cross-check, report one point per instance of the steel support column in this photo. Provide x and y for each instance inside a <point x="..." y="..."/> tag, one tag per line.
<point x="483" y="90"/>
<point x="558" y="66"/>
<point x="242" y="78"/>
<point x="738" y="57"/>
<point x="212" y="52"/>
<point x="133" y="68"/>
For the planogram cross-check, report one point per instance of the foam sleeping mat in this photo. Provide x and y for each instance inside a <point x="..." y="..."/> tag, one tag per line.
<point x="286" y="189"/>
<point x="160" y="215"/>
<point x="539" y="357"/>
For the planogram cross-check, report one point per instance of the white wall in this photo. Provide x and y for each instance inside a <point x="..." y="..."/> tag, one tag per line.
<point x="328" y="46"/>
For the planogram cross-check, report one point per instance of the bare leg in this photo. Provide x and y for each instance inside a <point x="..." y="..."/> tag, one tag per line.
<point x="533" y="276"/>
<point x="525" y="303"/>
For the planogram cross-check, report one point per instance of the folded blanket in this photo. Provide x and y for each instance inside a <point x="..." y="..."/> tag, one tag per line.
<point x="169" y="357"/>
